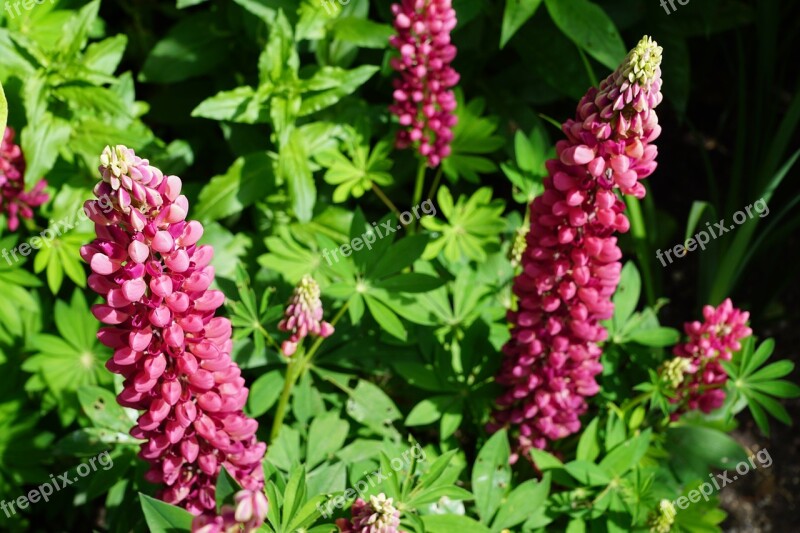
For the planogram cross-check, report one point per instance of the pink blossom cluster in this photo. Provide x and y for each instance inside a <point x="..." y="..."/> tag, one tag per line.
<point x="248" y="515"/>
<point x="15" y="201"/>
<point x="571" y="266"/>
<point x="168" y="344"/>
<point x="379" y="515"/>
<point x="303" y="316"/>
<point x="709" y="342"/>
<point x="423" y="101"/>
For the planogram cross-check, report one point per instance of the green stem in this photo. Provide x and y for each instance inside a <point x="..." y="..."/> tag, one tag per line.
<point x="420" y="182"/>
<point x="269" y="338"/>
<point x="639" y="235"/>
<point x="295" y="368"/>
<point x="588" y="67"/>
<point x="385" y="199"/>
<point x="435" y="184"/>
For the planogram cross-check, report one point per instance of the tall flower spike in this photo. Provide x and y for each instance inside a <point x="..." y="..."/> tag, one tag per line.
<point x="379" y="515"/>
<point x="423" y="101"/>
<point x="15" y="201"/>
<point x="570" y="267"/>
<point x="303" y="315"/>
<point x="708" y="344"/>
<point x="172" y="350"/>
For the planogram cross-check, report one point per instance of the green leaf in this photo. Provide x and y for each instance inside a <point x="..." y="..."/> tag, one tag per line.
<point x="164" y="518"/>
<point x="41" y="142"/>
<point x="193" y="47"/>
<point x="227" y="486"/>
<point x="264" y="392"/>
<point x="428" y="410"/>
<point x="242" y="104"/>
<point x="369" y="405"/>
<point x="627" y="295"/>
<point x="330" y="84"/>
<point x="588" y="26"/>
<point x="362" y="32"/>
<point x="522" y="502"/>
<point x="247" y="181"/>
<point x="295" y="170"/>
<point x="294" y="496"/>
<point x="401" y="255"/>
<point x="448" y="523"/>
<point x="588" y="473"/>
<point x="626" y="455"/>
<point x="433" y="495"/>
<point x="101" y="406"/>
<point x="656" y="337"/>
<point x="491" y="475"/>
<point x="516" y="13"/>
<point x="588" y="446"/>
<point x="326" y="435"/>
<point x="411" y="282"/>
<point x="385" y="317"/>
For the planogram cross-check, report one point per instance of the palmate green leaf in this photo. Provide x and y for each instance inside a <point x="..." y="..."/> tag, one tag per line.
<point x="429" y="410"/>
<point x="588" y="26"/>
<point x="472" y="226"/>
<point x="758" y="383"/>
<point x="491" y="475"/>
<point x="354" y="173"/>
<point x="626" y="297"/>
<point x="626" y="455"/>
<point x="516" y="13"/>
<point x="473" y="136"/>
<point x="162" y="517"/>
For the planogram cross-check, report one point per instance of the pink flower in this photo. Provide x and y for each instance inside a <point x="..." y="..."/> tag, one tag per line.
<point x="15" y="201"/>
<point x="709" y="343"/>
<point x="303" y="315"/>
<point x="377" y="516"/>
<point x="168" y="344"/>
<point x="571" y="266"/>
<point x="423" y="101"/>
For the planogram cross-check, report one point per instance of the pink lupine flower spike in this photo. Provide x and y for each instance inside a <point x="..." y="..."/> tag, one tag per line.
<point x="571" y="266"/>
<point x="423" y="101"/>
<point x="168" y="344"/>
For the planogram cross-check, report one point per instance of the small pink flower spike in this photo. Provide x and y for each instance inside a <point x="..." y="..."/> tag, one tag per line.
<point x="571" y="265"/>
<point x="303" y="316"/>
<point x="708" y="344"/>
<point x="423" y="101"/>
<point x="172" y="350"/>
<point x="15" y="201"/>
<point x="379" y="515"/>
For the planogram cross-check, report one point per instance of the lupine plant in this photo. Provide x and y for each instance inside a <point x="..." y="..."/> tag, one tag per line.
<point x="405" y="280"/>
